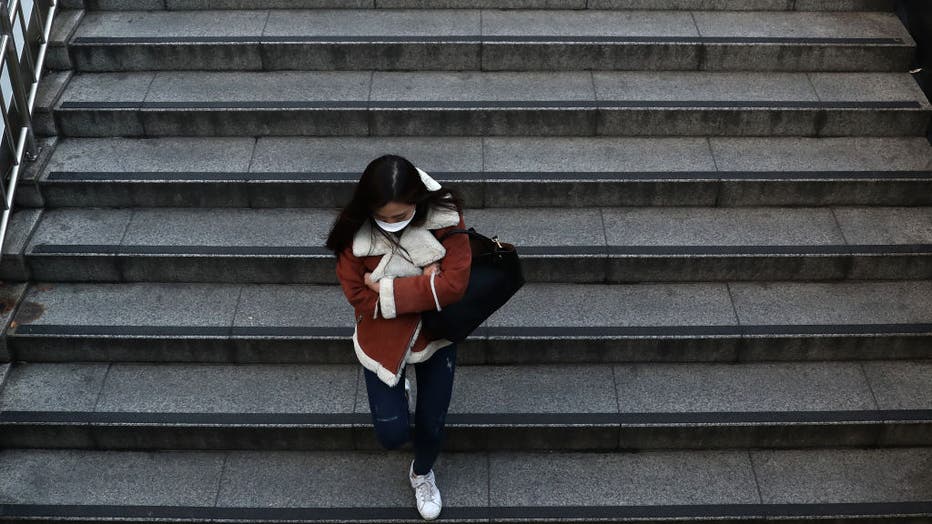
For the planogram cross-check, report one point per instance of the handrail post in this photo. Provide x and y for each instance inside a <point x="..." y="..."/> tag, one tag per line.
<point x="23" y="67"/>
<point x="19" y="96"/>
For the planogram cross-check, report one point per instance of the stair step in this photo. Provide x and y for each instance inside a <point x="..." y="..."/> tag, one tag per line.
<point x="543" y="323"/>
<point x="567" y="406"/>
<point x="473" y="103"/>
<point x="845" y="485"/>
<point x="491" y="40"/>
<point x="717" y="5"/>
<point x="618" y="244"/>
<point x="493" y="171"/>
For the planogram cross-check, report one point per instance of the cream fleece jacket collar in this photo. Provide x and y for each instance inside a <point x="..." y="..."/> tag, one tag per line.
<point x="420" y="243"/>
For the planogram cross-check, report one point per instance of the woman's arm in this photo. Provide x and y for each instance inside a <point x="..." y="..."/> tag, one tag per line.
<point x="401" y="295"/>
<point x="350" y="271"/>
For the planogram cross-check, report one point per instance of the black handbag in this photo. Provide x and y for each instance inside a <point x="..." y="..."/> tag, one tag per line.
<point x="495" y="275"/>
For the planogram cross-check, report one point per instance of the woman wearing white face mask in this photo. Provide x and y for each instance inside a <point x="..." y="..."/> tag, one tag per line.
<point x="392" y="267"/>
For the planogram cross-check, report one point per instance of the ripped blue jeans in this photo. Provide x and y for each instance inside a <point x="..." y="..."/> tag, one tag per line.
<point x="390" y="408"/>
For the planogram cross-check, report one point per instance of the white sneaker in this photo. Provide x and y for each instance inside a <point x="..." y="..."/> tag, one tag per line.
<point x="410" y="395"/>
<point x="426" y="494"/>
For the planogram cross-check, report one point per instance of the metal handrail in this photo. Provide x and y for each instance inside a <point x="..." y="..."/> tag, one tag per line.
<point x="21" y="65"/>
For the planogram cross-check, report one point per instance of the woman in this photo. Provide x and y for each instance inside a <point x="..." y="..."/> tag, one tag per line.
<point x="391" y="267"/>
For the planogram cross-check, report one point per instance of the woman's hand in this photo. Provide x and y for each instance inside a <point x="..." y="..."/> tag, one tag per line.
<point x="374" y="286"/>
<point x="433" y="267"/>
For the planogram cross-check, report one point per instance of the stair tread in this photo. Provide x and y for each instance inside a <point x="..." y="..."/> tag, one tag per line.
<point x="582" y="230"/>
<point x="777" y="5"/>
<point x="477" y="485"/>
<point x="338" y="88"/>
<point x="192" y="155"/>
<point x="538" y="309"/>
<point x="714" y="393"/>
<point x="414" y="23"/>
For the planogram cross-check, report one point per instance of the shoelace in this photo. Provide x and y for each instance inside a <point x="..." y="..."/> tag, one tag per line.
<point x="425" y="491"/>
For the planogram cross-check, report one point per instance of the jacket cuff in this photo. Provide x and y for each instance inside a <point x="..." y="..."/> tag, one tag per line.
<point x="387" y="296"/>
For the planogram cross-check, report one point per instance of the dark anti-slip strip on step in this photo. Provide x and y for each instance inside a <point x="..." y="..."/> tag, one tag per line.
<point x="624" y="176"/>
<point x="475" y="39"/>
<point x="537" y="251"/>
<point x="238" y="176"/>
<point x="465" y="419"/>
<point x="136" y="417"/>
<point x="550" y="332"/>
<point x="499" y="104"/>
<point x="291" y="332"/>
<point x="856" y="511"/>
<point x="312" y="332"/>
<point x="533" y="176"/>
<point x="598" y="332"/>
<point x="837" y="249"/>
<point x="99" y="105"/>
<point x="115" y="249"/>
<point x="840" y="510"/>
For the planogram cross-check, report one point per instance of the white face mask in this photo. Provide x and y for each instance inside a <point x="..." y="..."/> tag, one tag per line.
<point x="395" y="226"/>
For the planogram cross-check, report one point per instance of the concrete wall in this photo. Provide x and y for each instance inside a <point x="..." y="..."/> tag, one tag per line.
<point x="917" y="16"/>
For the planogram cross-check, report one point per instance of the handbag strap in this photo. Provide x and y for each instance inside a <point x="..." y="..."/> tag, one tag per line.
<point x="454" y="231"/>
<point x="472" y="232"/>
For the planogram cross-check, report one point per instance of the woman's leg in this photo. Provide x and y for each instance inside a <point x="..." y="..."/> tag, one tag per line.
<point x="434" y="389"/>
<point x="389" y="409"/>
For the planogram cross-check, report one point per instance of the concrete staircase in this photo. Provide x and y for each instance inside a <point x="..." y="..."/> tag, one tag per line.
<point x="723" y="205"/>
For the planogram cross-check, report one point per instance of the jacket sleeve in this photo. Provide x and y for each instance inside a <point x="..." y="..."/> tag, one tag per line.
<point x="350" y="271"/>
<point x="402" y="295"/>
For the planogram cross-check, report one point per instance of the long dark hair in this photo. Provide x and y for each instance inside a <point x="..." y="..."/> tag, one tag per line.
<point x="388" y="178"/>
